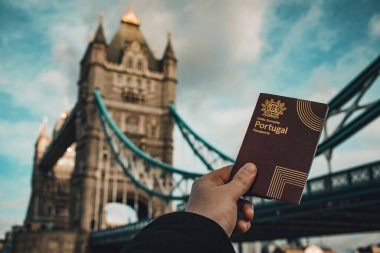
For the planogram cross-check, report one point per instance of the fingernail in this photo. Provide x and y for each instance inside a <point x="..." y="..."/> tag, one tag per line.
<point x="248" y="226"/>
<point x="250" y="167"/>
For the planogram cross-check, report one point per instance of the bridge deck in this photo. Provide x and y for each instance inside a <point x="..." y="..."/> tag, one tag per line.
<point x="62" y="140"/>
<point x="343" y="202"/>
<point x="346" y="213"/>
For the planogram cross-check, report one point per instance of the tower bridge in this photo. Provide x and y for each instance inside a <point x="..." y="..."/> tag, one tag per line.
<point x="116" y="145"/>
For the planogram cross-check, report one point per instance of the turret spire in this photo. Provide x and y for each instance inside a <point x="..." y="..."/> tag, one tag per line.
<point x="99" y="36"/>
<point x="169" y="52"/>
<point x="130" y="17"/>
<point x="43" y="138"/>
<point x="43" y="127"/>
<point x="101" y="17"/>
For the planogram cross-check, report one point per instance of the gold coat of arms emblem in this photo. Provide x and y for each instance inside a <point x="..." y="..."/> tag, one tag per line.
<point x="273" y="109"/>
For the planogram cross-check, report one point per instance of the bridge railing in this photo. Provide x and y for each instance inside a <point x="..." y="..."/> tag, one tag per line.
<point x="356" y="176"/>
<point x="362" y="174"/>
<point x="124" y="232"/>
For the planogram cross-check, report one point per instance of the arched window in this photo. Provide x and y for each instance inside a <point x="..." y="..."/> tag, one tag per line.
<point x="148" y="85"/>
<point x="153" y="131"/>
<point x="132" y="124"/>
<point x="118" y="79"/>
<point x="139" y="64"/>
<point x="139" y="84"/>
<point x="151" y="86"/>
<point x="130" y="62"/>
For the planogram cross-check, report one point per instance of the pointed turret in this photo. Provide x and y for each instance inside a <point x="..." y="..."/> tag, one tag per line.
<point x="130" y="18"/>
<point x="32" y="221"/>
<point x="129" y="32"/>
<point x="169" y="67"/>
<point x="43" y="140"/>
<point x="99" y="36"/>
<point x="96" y="49"/>
<point x="169" y="52"/>
<point x="59" y="123"/>
<point x="169" y="61"/>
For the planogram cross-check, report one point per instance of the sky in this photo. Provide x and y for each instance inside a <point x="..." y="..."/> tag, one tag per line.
<point x="228" y="52"/>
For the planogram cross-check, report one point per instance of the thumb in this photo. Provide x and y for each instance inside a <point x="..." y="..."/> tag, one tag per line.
<point x="242" y="180"/>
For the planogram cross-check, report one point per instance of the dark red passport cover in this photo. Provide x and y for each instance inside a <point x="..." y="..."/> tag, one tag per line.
<point x="281" y="140"/>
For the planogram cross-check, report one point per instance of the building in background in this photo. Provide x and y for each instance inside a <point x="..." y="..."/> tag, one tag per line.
<point x="369" y="249"/>
<point x="291" y="247"/>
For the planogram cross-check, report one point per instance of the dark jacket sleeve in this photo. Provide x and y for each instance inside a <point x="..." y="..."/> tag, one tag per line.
<point x="181" y="232"/>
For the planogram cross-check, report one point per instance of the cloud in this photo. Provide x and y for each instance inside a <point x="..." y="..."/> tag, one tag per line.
<point x="7" y="39"/>
<point x="374" y="26"/>
<point x="220" y="48"/>
<point x="68" y="46"/>
<point x="291" y="56"/>
<point x="44" y="95"/>
<point x="219" y="44"/>
<point x="239" y="30"/>
<point x="246" y="24"/>
<point x="54" y="80"/>
<point x="18" y="140"/>
<point x="327" y="79"/>
<point x="157" y="21"/>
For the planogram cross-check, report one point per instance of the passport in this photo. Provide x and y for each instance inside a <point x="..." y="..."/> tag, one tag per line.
<point x="281" y="140"/>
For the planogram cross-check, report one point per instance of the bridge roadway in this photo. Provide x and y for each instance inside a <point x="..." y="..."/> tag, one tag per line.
<point x="61" y="141"/>
<point x="340" y="203"/>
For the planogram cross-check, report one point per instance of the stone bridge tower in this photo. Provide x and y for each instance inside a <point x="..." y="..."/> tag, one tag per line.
<point x="136" y="89"/>
<point x="68" y="200"/>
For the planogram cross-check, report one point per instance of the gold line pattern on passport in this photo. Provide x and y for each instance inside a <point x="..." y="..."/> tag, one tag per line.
<point x="282" y="176"/>
<point x="308" y="117"/>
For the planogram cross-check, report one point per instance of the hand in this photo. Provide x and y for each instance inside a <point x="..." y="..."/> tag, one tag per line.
<point x="211" y="196"/>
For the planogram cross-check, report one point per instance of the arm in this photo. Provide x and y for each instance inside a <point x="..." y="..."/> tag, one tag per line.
<point x="181" y="232"/>
<point x="209" y="220"/>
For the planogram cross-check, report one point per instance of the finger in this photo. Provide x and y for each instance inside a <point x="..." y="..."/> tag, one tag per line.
<point x="242" y="226"/>
<point x="219" y="176"/>
<point x="246" y="209"/>
<point x="242" y="180"/>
